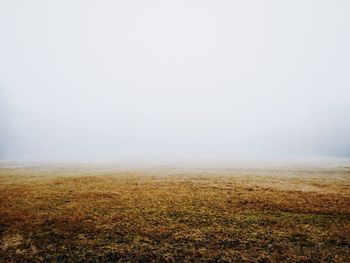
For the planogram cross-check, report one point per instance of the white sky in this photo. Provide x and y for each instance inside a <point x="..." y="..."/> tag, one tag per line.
<point x="164" y="80"/>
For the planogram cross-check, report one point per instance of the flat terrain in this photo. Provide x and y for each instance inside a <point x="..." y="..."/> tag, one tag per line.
<point x="62" y="214"/>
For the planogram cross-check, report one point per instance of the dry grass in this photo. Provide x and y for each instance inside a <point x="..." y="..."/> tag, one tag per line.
<point x="77" y="215"/>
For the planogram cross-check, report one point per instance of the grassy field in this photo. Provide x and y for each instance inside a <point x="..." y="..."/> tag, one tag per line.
<point x="173" y="215"/>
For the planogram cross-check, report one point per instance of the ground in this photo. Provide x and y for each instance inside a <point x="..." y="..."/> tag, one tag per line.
<point x="77" y="214"/>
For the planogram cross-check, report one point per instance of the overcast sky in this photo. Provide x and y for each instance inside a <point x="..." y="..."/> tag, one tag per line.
<point x="165" y="80"/>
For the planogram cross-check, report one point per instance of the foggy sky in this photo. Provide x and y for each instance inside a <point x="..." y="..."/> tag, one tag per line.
<point x="163" y="80"/>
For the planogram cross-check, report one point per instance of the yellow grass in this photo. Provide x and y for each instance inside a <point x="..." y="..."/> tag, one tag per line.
<point x="169" y="215"/>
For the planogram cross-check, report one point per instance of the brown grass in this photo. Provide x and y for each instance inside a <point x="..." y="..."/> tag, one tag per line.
<point x="80" y="215"/>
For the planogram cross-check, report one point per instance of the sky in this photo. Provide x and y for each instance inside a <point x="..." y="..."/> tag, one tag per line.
<point x="107" y="80"/>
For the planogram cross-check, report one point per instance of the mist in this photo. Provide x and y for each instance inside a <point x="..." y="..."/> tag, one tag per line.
<point x="173" y="80"/>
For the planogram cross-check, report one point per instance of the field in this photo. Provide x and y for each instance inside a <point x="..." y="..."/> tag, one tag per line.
<point x="77" y="214"/>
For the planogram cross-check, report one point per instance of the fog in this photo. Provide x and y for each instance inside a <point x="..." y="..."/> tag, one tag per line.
<point x="173" y="80"/>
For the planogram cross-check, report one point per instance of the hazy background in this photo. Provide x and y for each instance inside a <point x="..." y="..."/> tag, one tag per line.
<point x="173" y="80"/>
